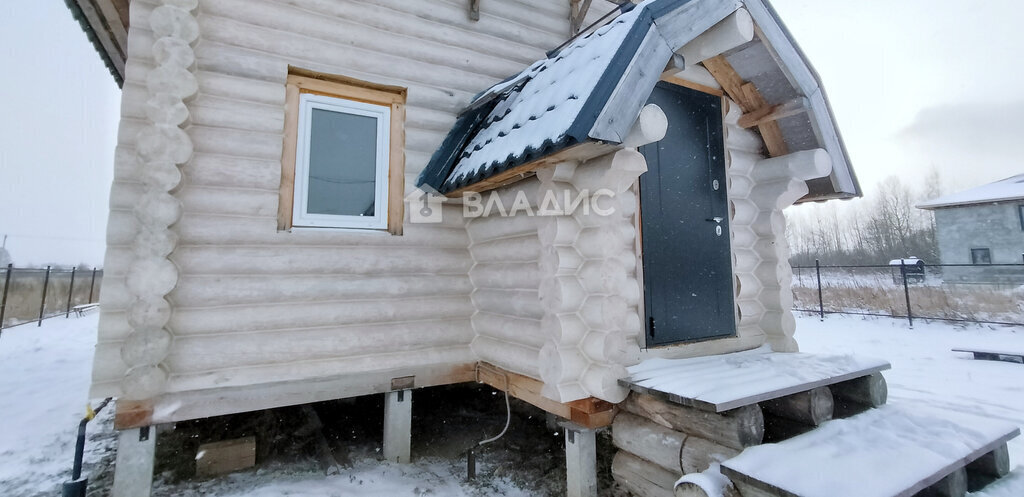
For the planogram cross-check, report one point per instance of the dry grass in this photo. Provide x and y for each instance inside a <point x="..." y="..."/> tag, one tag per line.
<point x="877" y="293"/>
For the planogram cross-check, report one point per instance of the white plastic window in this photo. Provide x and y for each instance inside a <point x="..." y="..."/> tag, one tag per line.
<point x="341" y="164"/>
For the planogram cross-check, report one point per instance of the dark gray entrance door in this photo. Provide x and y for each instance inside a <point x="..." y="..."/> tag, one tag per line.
<point x="688" y="287"/>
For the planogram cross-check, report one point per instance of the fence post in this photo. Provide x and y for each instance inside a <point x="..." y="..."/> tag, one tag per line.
<point x="92" y="285"/>
<point x="906" y="292"/>
<point x="71" y="293"/>
<point x="42" y="305"/>
<point x="3" y="301"/>
<point x="821" y="303"/>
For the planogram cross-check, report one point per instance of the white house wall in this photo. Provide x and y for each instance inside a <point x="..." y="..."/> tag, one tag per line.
<point x="258" y="311"/>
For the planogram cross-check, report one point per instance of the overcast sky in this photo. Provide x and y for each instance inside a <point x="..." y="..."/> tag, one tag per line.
<point x="915" y="84"/>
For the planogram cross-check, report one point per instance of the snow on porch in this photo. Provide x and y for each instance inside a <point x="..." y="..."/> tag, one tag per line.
<point x="890" y="451"/>
<point x="723" y="382"/>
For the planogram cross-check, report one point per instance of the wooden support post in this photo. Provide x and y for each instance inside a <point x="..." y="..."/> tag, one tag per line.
<point x="953" y="485"/>
<point x="812" y="407"/>
<point x="859" y="394"/>
<point x="640" y="477"/>
<point x="133" y="469"/>
<point x="580" y="461"/>
<point x="988" y="468"/>
<point x="398" y="426"/>
<point x="672" y="450"/>
<point x="739" y="428"/>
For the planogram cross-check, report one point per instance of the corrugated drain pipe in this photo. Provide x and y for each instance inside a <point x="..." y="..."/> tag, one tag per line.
<point x="471" y="453"/>
<point x="77" y="486"/>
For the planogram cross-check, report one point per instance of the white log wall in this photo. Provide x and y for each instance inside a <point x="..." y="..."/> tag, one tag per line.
<point x="252" y="306"/>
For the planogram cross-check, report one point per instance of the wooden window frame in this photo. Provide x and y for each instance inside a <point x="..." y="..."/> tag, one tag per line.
<point x="301" y="82"/>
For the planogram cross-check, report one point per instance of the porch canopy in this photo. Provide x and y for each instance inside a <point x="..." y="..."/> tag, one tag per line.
<point x="587" y="94"/>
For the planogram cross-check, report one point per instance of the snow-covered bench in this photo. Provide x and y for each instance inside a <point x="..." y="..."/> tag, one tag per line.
<point x="885" y="452"/>
<point x="994" y="355"/>
<point x="80" y="310"/>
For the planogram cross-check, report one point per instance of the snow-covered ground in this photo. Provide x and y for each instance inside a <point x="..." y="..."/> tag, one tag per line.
<point x="924" y="368"/>
<point x="44" y="376"/>
<point x="44" y="384"/>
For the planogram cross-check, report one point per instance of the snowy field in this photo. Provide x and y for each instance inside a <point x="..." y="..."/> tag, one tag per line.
<point x="44" y="375"/>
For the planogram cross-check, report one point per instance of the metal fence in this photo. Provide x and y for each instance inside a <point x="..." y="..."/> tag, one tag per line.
<point x="33" y="294"/>
<point x="975" y="293"/>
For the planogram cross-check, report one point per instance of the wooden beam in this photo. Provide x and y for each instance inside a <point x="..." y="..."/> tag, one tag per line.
<point x="773" y="113"/>
<point x="588" y="413"/>
<point x="750" y="100"/>
<point x="685" y="83"/>
<point x="577" y="13"/>
<point x="580" y="152"/>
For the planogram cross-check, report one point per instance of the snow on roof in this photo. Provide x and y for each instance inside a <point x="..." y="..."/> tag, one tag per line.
<point x="1011" y="188"/>
<point x="910" y="261"/>
<point x="538" y="107"/>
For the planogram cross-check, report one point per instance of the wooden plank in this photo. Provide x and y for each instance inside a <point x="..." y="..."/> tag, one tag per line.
<point x="750" y="399"/>
<point x="580" y="152"/>
<point x="773" y="113"/>
<point x="692" y="85"/>
<point x="218" y="458"/>
<point x="396" y="169"/>
<point x="729" y="79"/>
<point x="192" y="404"/>
<point x="133" y="414"/>
<point x="749" y="99"/>
<point x="529" y="390"/>
<point x="909" y="491"/>
<point x="994" y="355"/>
<point x="623" y="105"/>
<point x="286" y="196"/>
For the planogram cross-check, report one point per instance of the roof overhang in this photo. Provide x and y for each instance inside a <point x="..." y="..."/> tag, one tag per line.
<point x="105" y="23"/>
<point x="648" y="39"/>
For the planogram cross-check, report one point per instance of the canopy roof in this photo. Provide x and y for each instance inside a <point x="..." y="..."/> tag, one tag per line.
<point x="592" y="90"/>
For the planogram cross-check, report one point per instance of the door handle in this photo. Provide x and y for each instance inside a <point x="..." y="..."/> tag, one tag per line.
<point x="716" y="220"/>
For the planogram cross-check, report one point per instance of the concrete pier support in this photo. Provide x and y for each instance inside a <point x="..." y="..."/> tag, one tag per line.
<point x="580" y="461"/>
<point x="133" y="472"/>
<point x="398" y="425"/>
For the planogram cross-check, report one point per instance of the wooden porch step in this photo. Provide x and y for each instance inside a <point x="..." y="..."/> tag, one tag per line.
<point x="994" y="355"/>
<point x="724" y="382"/>
<point x="890" y="451"/>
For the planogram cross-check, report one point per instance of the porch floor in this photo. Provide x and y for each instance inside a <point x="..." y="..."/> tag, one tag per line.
<point x="885" y="452"/>
<point x="723" y="382"/>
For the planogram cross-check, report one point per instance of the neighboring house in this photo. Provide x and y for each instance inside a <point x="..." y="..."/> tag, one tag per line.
<point x="267" y="245"/>
<point x="983" y="226"/>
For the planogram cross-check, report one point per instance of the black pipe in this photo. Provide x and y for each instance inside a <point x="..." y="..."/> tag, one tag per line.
<point x="77" y="486"/>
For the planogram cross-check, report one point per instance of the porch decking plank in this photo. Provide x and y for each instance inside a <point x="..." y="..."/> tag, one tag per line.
<point x="723" y="382"/>
<point x="885" y="452"/>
